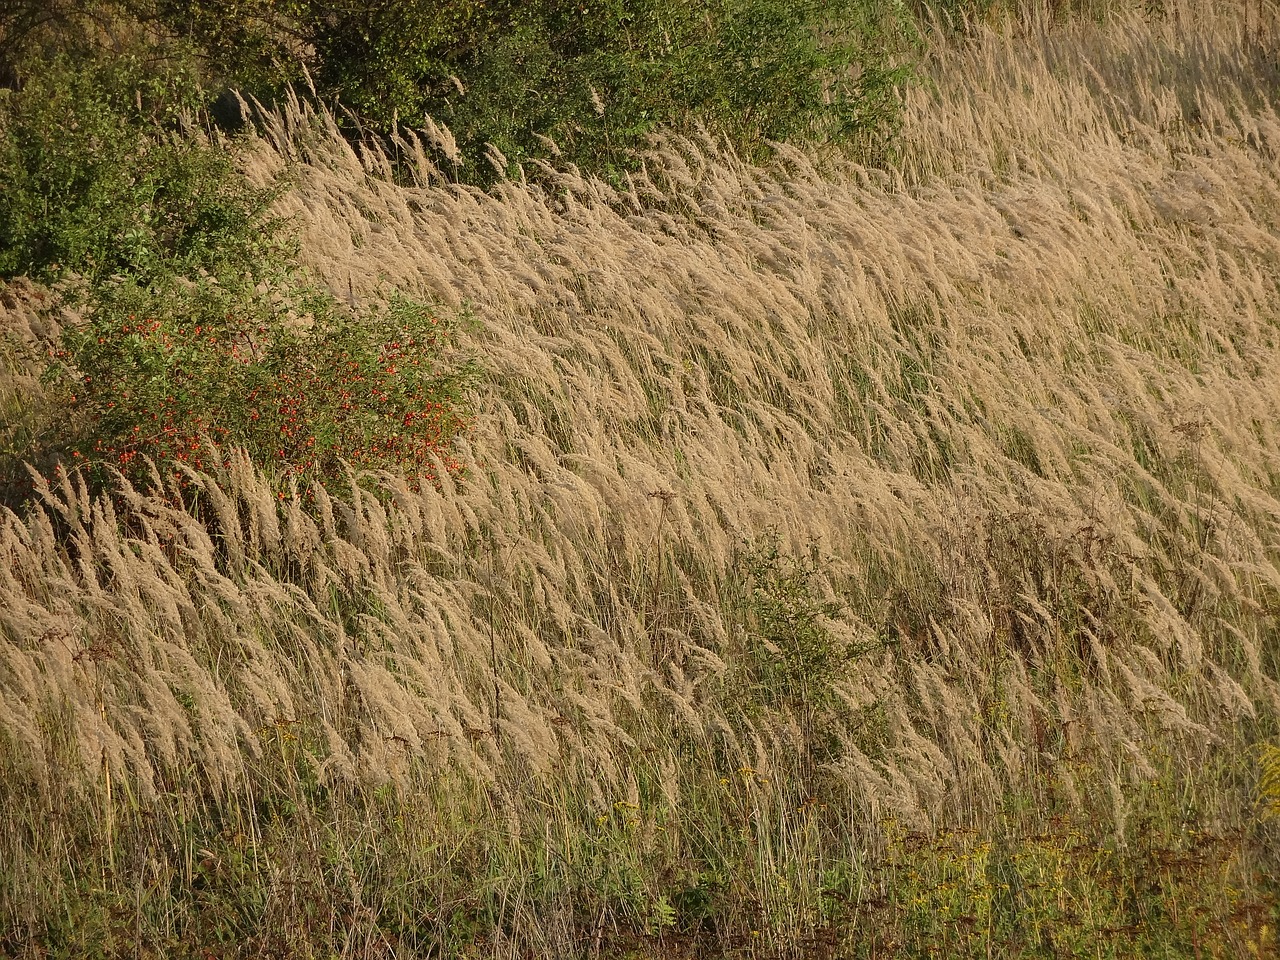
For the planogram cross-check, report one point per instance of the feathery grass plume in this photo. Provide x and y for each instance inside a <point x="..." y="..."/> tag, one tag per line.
<point x="1014" y="403"/>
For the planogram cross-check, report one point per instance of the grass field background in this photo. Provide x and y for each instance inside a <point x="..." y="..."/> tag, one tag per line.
<point x="848" y="562"/>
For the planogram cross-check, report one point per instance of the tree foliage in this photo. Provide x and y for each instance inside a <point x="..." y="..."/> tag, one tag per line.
<point x="592" y="76"/>
<point x="596" y="76"/>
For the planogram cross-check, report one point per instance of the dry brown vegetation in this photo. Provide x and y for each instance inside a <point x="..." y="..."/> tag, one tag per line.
<point x="848" y="561"/>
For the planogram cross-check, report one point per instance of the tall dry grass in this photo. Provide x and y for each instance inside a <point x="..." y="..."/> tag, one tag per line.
<point x="998" y="431"/>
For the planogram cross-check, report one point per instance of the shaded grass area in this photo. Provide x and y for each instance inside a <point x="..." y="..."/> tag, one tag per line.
<point x="742" y="866"/>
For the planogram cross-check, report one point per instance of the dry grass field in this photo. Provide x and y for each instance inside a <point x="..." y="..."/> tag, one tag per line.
<point x="848" y="563"/>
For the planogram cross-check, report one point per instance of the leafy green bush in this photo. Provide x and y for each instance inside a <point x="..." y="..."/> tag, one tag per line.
<point x="597" y="77"/>
<point x="158" y="373"/>
<point x="103" y="177"/>
<point x="791" y="657"/>
<point x="193" y="322"/>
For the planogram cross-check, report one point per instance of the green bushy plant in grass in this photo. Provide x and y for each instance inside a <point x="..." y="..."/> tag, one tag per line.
<point x="597" y="77"/>
<point x="104" y="177"/>
<point x="791" y="657"/>
<point x="191" y="321"/>
<point x="158" y="373"/>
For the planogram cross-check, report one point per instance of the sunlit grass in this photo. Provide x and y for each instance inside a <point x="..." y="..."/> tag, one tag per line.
<point x="845" y="563"/>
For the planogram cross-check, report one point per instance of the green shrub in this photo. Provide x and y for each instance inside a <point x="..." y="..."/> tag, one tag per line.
<point x="791" y="657"/>
<point x="156" y="373"/>
<point x="194" y="323"/>
<point x="104" y="177"/>
<point x="597" y="77"/>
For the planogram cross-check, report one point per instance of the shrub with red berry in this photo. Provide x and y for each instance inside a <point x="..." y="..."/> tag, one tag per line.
<point x="198" y="327"/>
<point x="301" y="384"/>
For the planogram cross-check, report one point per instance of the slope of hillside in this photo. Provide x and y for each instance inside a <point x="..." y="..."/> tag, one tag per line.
<point x="846" y="561"/>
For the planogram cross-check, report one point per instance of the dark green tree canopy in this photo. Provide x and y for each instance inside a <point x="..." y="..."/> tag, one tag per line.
<point x="595" y="77"/>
